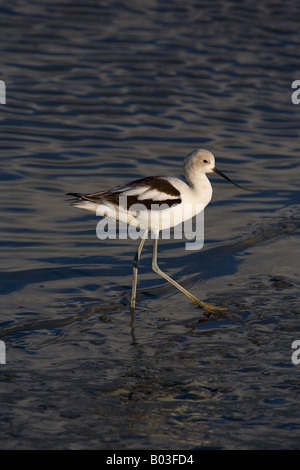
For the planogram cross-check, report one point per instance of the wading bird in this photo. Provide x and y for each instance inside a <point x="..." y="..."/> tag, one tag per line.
<point x="156" y="203"/>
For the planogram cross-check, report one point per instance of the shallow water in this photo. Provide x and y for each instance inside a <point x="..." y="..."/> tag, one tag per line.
<point x="98" y="95"/>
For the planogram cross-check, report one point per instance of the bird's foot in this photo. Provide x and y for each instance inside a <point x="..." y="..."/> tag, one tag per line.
<point x="211" y="309"/>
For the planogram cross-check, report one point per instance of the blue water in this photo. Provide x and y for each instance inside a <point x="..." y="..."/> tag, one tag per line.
<point x="101" y="93"/>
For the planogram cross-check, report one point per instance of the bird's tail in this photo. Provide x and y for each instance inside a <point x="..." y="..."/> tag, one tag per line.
<point x="81" y="201"/>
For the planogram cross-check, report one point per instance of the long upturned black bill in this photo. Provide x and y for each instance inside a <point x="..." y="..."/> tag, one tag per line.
<point x="218" y="172"/>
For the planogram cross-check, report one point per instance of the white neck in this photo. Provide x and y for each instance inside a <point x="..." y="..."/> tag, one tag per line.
<point x="201" y="188"/>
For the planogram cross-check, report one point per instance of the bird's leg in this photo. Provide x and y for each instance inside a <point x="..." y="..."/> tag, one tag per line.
<point x="136" y="260"/>
<point x="208" y="307"/>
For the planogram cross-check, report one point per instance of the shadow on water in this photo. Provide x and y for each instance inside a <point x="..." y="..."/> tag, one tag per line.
<point x="48" y="324"/>
<point x="218" y="256"/>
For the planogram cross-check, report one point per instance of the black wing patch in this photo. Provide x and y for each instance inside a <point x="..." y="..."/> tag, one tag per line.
<point x="152" y="182"/>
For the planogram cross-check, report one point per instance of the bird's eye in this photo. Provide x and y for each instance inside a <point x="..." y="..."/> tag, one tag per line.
<point x="205" y="161"/>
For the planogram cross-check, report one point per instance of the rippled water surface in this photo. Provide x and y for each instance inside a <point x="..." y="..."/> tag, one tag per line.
<point x="101" y="93"/>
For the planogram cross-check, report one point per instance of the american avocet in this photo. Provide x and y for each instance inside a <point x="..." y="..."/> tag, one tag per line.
<point x="155" y="203"/>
